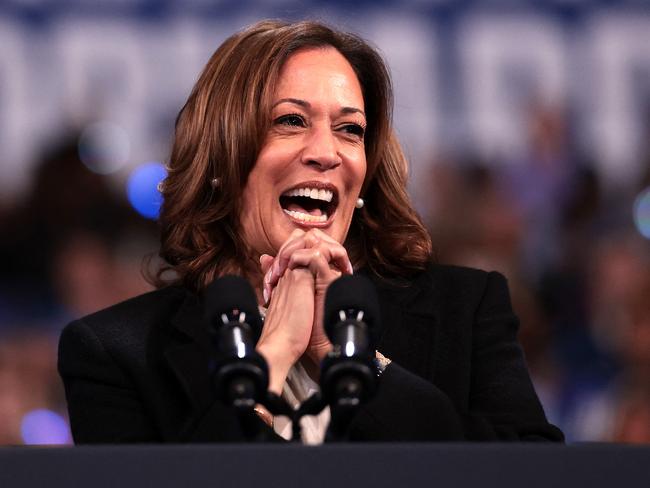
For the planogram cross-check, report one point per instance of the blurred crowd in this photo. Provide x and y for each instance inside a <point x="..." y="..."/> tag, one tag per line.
<point x="579" y="273"/>
<point x="72" y="246"/>
<point x="578" y="269"/>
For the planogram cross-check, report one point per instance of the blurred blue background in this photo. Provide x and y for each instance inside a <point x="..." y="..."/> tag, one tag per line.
<point x="527" y="124"/>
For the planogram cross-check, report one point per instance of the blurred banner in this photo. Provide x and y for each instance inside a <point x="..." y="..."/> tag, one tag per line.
<point x="467" y="73"/>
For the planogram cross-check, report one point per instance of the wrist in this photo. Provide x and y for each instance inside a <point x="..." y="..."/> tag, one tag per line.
<point x="318" y="353"/>
<point x="279" y="363"/>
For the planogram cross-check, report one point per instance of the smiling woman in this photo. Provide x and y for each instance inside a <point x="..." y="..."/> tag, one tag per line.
<point x="285" y="170"/>
<point x="272" y="94"/>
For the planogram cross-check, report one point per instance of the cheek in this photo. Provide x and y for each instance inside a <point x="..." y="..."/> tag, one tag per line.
<point x="252" y="208"/>
<point x="359" y="171"/>
<point x="271" y="164"/>
<point x="249" y="195"/>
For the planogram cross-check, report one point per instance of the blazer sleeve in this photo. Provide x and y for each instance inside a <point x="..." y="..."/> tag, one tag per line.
<point x="103" y="403"/>
<point x="501" y="406"/>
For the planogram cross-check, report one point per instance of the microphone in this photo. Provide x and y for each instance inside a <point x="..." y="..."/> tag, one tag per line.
<point x="239" y="374"/>
<point x="348" y="374"/>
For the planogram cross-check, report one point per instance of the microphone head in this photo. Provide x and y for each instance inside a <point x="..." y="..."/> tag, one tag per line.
<point x="352" y="292"/>
<point x="230" y="293"/>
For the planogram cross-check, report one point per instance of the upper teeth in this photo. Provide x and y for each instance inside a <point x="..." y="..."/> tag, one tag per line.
<point x="313" y="193"/>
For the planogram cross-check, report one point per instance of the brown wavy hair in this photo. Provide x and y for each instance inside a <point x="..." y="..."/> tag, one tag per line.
<point x="219" y="134"/>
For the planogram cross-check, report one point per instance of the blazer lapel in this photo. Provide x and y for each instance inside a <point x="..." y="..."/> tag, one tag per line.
<point x="409" y="325"/>
<point x="189" y="350"/>
<point x="426" y="332"/>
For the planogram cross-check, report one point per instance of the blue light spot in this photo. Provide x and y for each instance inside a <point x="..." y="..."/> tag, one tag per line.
<point x="44" y="427"/>
<point x="642" y="213"/>
<point x="142" y="189"/>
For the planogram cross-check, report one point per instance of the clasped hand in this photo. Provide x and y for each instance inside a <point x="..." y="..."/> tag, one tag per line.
<point x="295" y="283"/>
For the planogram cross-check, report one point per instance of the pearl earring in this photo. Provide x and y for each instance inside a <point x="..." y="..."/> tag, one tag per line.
<point x="360" y="203"/>
<point x="215" y="183"/>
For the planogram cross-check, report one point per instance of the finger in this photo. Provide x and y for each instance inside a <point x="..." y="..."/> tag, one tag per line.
<point x="296" y="233"/>
<point x="278" y="264"/>
<point x="266" y="261"/>
<point x="323" y="236"/>
<point x="296" y="241"/>
<point x="335" y="253"/>
<point x="296" y="236"/>
<point x="339" y="257"/>
<point x="285" y="253"/>
<point x="339" y="253"/>
<point x="314" y="259"/>
<point x="311" y="238"/>
<point x="318" y="262"/>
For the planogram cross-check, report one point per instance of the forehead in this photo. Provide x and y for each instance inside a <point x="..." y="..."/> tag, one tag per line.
<point x="319" y="72"/>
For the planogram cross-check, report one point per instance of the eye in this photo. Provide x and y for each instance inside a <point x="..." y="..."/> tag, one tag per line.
<point x="291" y="120"/>
<point x="354" y="129"/>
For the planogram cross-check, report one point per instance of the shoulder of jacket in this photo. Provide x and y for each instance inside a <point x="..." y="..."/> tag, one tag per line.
<point x="454" y="275"/>
<point x="137" y="315"/>
<point x="436" y="282"/>
<point x="453" y="280"/>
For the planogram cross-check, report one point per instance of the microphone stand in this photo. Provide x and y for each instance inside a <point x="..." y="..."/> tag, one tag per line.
<point x="240" y="383"/>
<point x="347" y="399"/>
<point x="312" y="406"/>
<point x="348" y="383"/>
<point x="343" y="409"/>
<point x="278" y="406"/>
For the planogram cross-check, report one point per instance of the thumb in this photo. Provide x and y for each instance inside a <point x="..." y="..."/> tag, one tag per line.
<point x="265" y="263"/>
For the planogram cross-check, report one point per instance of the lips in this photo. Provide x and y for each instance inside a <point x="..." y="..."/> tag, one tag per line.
<point x="310" y="203"/>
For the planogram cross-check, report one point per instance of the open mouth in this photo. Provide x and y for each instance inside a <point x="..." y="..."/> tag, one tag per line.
<point x="310" y="203"/>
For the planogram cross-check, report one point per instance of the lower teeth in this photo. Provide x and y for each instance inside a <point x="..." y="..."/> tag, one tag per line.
<point x="306" y="217"/>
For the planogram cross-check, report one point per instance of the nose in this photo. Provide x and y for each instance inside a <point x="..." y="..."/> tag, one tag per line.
<point x="321" y="149"/>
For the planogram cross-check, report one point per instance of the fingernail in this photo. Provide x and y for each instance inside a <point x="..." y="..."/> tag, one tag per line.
<point x="265" y="293"/>
<point x="267" y="276"/>
<point x="350" y="268"/>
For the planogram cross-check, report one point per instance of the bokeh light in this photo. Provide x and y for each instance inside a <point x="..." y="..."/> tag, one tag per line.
<point x="142" y="189"/>
<point x="104" y="147"/>
<point x="642" y="213"/>
<point x="44" y="427"/>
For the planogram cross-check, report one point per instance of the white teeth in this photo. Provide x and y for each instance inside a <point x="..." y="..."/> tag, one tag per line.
<point x="313" y="193"/>
<point x="306" y="217"/>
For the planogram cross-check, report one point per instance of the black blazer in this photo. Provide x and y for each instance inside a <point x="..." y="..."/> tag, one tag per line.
<point x="138" y="371"/>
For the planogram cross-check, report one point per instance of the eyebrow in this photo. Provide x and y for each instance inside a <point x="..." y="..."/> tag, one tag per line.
<point x="306" y="104"/>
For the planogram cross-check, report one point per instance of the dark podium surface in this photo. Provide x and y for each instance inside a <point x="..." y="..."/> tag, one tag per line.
<point x="371" y="465"/>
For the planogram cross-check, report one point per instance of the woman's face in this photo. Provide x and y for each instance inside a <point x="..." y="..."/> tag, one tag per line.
<point x="311" y="167"/>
